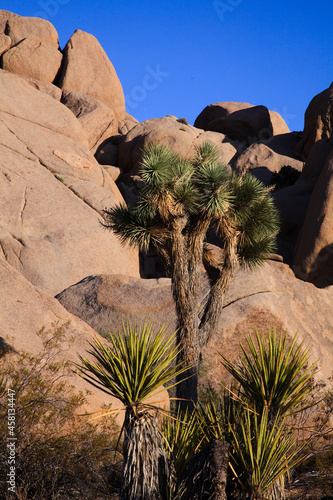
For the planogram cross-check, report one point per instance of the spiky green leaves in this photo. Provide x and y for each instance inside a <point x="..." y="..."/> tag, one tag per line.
<point x="197" y="189"/>
<point x="272" y="382"/>
<point x="134" y="366"/>
<point x="256" y="219"/>
<point x="212" y="184"/>
<point x="131" y="225"/>
<point x="274" y="376"/>
<point x="261" y="452"/>
<point x="156" y="166"/>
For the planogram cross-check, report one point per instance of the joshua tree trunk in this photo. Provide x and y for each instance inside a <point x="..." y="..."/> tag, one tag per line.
<point x="193" y="330"/>
<point x="145" y="470"/>
<point x="276" y="492"/>
<point x="205" y="475"/>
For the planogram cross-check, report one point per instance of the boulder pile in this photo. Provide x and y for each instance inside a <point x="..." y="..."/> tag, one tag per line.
<point x="69" y="150"/>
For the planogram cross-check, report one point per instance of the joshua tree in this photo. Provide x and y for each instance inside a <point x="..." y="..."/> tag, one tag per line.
<point x="180" y="200"/>
<point x="132" y="369"/>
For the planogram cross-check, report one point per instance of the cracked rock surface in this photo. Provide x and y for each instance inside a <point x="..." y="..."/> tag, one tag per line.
<point x="266" y="297"/>
<point x="53" y="193"/>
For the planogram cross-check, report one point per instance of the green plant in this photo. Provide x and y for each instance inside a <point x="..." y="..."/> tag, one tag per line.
<point x="274" y="376"/>
<point x="274" y="385"/>
<point x="76" y="193"/>
<point x="256" y="416"/>
<point x="184" y="436"/>
<point x="133" y="369"/>
<point x="179" y="201"/>
<point x="59" y="178"/>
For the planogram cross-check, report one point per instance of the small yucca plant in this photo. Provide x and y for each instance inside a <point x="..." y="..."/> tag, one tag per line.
<point x="273" y="374"/>
<point x="275" y="383"/>
<point x="133" y="369"/>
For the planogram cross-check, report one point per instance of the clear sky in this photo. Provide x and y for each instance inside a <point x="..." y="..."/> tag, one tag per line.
<point x="272" y="52"/>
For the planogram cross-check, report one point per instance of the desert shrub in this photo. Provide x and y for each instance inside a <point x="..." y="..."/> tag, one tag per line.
<point x="58" y="454"/>
<point x="313" y="478"/>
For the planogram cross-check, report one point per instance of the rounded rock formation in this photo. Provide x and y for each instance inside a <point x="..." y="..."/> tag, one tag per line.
<point x="86" y="68"/>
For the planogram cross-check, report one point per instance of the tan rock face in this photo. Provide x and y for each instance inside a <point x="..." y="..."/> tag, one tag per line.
<point x="116" y="297"/>
<point x="5" y="43"/>
<point x="272" y="296"/>
<point x="19" y="28"/>
<point x="314" y="254"/>
<point x="33" y="309"/>
<point x="52" y="193"/>
<point x="33" y="57"/>
<point x="318" y="122"/>
<point x="262" y="156"/>
<point x="124" y="126"/>
<point x="5" y="15"/>
<point x="19" y="99"/>
<point x="171" y="132"/>
<point x="241" y="121"/>
<point x="45" y="87"/>
<point x="269" y="296"/>
<point x="87" y="69"/>
<point x="98" y="120"/>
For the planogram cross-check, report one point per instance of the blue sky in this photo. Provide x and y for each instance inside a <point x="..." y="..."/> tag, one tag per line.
<point x="275" y="53"/>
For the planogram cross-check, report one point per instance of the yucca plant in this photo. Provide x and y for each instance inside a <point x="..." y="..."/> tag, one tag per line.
<point x="184" y="437"/>
<point x="274" y="374"/>
<point x="262" y="453"/>
<point x="275" y="383"/>
<point x="132" y="369"/>
<point x="180" y="200"/>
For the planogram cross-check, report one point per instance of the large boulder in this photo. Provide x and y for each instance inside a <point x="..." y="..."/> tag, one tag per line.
<point x="318" y="122"/>
<point x="264" y="158"/>
<point x="174" y="133"/>
<point x="33" y="57"/>
<point x="31" y="107"/>
<point x="86" y="68"/>
<point x="314" y="254"/>
<point x="53" y="193"/>
<point x="241" y="121"/>
<point x="266" y="297"/>
<point x="316" y="159"/>
<point x="271" y="297"/>
<point x="19" y="28"/>
<point x="97" y="119"/>
<point x="104" y="301"/>
<point x="293" y="201"/>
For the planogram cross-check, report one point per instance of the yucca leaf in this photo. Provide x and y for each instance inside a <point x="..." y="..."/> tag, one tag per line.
<point x="135" y="365"/>
<point x="277" y="377"/>
<point x="156" y="166"/>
